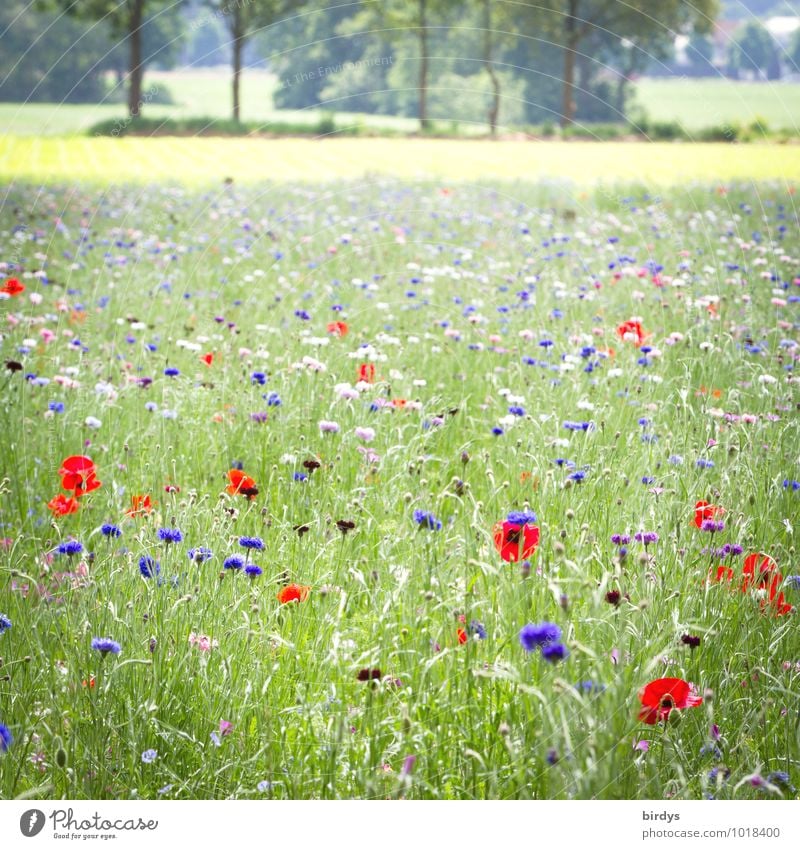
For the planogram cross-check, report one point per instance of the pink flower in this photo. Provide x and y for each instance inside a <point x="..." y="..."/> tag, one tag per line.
<point x="365" y="433"/>
<point x="225" y="727"/>
<point x="203" y="642"/>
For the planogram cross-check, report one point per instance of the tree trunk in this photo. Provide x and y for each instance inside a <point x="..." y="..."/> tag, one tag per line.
<point x="494" y="108"/>
<point x="568" y="83"/>
<point x="237" y="30"/>
<point x="135" y="67"/>
<point x="424" y="123"/>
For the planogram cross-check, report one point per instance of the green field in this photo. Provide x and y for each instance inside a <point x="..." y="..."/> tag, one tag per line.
<point x="695" y="103"/>
<point x="708" y="102"/>
<point x="210" y="160"/>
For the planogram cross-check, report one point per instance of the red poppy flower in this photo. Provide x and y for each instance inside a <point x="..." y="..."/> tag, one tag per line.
<point x="78" y="474"/>
<point x="366" y="373"/>
<point x="462" y="636"/>
<point x="703" y="510"/>
<point x="723" y="573"/>
<point x="515" y="542"/>
<point x="13" y="287"/>
<point x="759" y="570"/>
<point x="635" y="329"/>
<point x="293" y="592"/>
<point x="139" y="504"/>
<point x="338" y="328"/>
<point x="207" y="359"/>
<point x="63" y="506"/>
<point x="241" y="484"/>
<point x="659" y="697"/>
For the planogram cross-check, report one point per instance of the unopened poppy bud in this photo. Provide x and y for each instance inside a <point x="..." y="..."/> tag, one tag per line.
<point x="570" y="514"/>
<point x="61" y="754"/>
<point x="503" y="729"/>
<point x="464" y="457"/>
<point x="559" y="548"/>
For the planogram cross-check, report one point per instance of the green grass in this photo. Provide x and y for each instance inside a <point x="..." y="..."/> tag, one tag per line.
<point x="210" y="160"/>
<point x="195" y="93"/>
<point x="699" y="103"/>
<point x="138" y="278"/>
<point x="695" y="103"/>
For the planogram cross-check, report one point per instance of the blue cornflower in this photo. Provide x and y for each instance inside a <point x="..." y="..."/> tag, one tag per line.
<point x="553" y="652"/>
<point x="200" y="554"/>
<point x="702" y="463"/>
<point x="149" y="567"/>
<point x="5" y="738"/>
<point x="5" y="623"/>
<point x="675" y="460"/>
<point x="299" y="477"/>
<point x="251" y="542"/>
<point x="170" y="535"/>
<point x="497" y="431"/>
<point x="427" y="520"/>
<point x="302" y="314"/>
<point x="70" y="547"/>
<point x="546" y="343"/>
<point x="477" y="628"/>
<point x="234" y="562"/>
<point x="647" y="480"/>
<point x="516" y="411"/>
<point x="274" y="400"/>
<point x="105" y="645"/>
<point x="258" y="377"/>
<point x="795" y="485"/>
<point x="171" y="372"/>
<point x="521" y="517"/>
<point x="590" y="687"/>
<point x="149" y="756"/>
<point x="533" y="636"/>
<point x="56" y="406"/>
<point x="578" y="477"/>
<point x="780" y="777"/>
<point x="793" y="581"/>
<point x="252" y="570"/>
<point x="110" y="531"/>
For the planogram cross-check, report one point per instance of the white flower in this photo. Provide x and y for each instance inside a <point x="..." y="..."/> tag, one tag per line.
<point x="92" y="422"/>
<point x="767" y="378"/>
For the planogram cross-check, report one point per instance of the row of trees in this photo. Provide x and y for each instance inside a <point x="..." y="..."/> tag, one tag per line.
<point x="561" y="44"/>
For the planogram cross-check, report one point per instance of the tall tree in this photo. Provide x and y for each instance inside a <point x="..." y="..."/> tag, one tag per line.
<point x="753" y="48"/>
<point x="571" y="23"/>
<point x="127" y="20"/>
<point x="499" y="30"/>
<point x="398" y="19"/>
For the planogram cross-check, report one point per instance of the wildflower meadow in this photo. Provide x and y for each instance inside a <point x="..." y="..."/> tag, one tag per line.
<point x="399" y="489"/>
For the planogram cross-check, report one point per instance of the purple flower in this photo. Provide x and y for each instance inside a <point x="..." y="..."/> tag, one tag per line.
<point x="647" y="537"/>
<point x="5" y="738"/>
<point x="105" y="646"/>
<point x="712" y="525"/>
<point x="251" y="542"/>
<point x="533" y="636"/>
<point x="554" y="652"/>
<point x="149" y="756"/>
